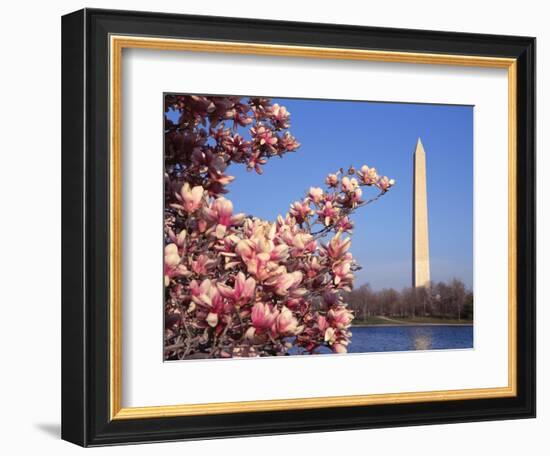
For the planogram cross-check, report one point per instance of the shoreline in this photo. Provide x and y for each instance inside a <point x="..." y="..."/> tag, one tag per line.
<point x="383" y="325"/>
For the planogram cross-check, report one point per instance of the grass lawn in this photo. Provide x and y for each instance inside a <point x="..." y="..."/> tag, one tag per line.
<point x="371" y="321"/>
<point x="382" y="320"/>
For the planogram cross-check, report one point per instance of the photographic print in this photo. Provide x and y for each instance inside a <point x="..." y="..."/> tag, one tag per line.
<point x="310" y="227"/>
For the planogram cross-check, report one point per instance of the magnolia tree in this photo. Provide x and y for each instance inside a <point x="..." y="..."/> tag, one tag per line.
<point x="236" y="285"/>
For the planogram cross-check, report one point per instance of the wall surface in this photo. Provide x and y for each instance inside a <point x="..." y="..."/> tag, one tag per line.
<point x="30" y="227"/>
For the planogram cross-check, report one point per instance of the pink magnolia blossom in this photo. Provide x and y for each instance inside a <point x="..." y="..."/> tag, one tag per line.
<point x="263" y="136"/>
<point x="299" y="243"/>
<point x="260" y="254"/>
<point x="313" y="267"/>
<point x="384" y="184"/>
<point x="221" y="213"/>
<point x="316" y="194"/>
<point x="322" y="323"/>
<point x="330" y="335"/>
<point x="172" y="264"/>
<point x="286" y="324"/>
<point x="221" y="135"/>
<point x="178" y="239"/>
<point x="368" y="175"/>
<point x="349" y="185"/>
<point x="300" y="210"/>
<point x="256" y="161"/>
<point x="191" y="198"/>
<point x="328" y="213"/>
<point x="236" y="146"/>
<point x="342" y="272"/>
<point x="238" y="116"/>
<point x="356" y="196"/>
<point x="207" y="296"/>
<point x="202" y="265"/>
<point x="283" y="283"/>
<point x="219" y="179"/>
<point x="263" y="316"/>
<point x="288" y="143"/>
<point x="345" y="224"/>
<point x="280" y="116"/>
<point x="332" y="180"/>
<point x="340" y="348"/>
<point x="242" y="292"/>
<point x="340" y="318"/>
<point x="338" y="247"/>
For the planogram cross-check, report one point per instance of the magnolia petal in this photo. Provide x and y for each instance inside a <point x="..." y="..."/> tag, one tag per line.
<point x="220" y="231"/>
<point x="212" y="319"/>
<point x="250" y="332"/>
<point x="339" y="348"/>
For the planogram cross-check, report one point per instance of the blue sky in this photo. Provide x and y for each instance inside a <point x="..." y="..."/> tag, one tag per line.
<point x="338" y="134"/>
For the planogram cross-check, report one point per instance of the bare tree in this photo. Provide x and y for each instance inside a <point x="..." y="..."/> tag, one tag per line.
<point x="458" y="294"/>
<point x="439" y="300"/>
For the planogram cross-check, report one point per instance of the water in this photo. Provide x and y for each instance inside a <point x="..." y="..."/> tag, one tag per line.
<point x="413" y="337"/>
<point x="407" y="337"/>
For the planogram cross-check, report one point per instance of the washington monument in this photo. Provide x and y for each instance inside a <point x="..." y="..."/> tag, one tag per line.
<point x="421" y="244"/>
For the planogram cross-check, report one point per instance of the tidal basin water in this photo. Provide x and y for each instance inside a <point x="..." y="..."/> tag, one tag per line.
<point x="383" y="338"/>
<point x="410" y="337"/>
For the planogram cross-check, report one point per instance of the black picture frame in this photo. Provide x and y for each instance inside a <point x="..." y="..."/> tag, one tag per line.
<point x="85" y="228"/>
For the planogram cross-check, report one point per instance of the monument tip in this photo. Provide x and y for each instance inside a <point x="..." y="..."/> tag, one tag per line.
<point x="419" y="147"/>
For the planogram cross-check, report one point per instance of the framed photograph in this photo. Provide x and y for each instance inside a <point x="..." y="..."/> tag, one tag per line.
<point x="280" y="227"/>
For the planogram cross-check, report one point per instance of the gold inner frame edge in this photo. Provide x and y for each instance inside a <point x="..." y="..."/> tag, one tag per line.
<point x="116" y="46"/>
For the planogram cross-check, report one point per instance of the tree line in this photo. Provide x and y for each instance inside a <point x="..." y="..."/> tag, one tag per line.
<point x="450" y="300"/>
